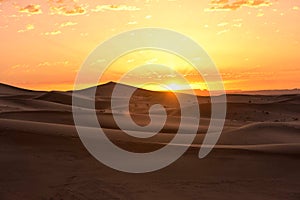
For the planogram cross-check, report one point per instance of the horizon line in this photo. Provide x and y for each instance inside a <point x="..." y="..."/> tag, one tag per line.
<point x="108" y="82"/>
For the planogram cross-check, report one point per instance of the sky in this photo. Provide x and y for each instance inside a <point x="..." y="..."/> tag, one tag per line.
<point x="254" y="43"/>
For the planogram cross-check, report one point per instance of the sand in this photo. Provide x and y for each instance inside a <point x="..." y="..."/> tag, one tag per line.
<point x="42" y="157"/>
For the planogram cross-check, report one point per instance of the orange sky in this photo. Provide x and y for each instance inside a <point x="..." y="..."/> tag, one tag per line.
<point x="254" y="43"/>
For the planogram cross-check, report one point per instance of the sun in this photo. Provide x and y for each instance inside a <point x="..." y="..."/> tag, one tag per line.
<point x="162" y="86"/>
<point x="174" y="86"/>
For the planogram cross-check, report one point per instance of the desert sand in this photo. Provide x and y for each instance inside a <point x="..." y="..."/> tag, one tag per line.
<point x="42" y="157"/>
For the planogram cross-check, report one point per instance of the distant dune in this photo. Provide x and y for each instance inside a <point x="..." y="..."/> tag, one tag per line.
<point x="257" y="151"/>
<point x="251" y="119"/>
<point x="247" y="92"/>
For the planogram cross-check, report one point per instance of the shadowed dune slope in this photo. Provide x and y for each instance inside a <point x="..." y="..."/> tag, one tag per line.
<point x="251" y="119"/>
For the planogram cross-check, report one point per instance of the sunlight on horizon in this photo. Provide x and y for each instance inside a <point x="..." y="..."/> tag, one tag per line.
<point x="159" y="71"/>
<point x="254" y="44"/>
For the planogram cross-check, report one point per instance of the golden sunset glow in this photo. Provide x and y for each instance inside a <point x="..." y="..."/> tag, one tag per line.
<point x="175" y="86"/>
<point x="254" y="43"/>
<point x="169" y="87"/>
<point x="169" y="73"/>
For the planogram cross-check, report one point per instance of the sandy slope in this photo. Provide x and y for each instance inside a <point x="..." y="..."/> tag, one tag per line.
<point x="43" y="158"/>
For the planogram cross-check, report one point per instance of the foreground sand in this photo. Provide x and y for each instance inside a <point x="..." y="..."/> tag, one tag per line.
<point x="257" y="156"/>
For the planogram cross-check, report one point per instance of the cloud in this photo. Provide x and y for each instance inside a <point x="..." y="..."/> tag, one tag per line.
<point x="57" y="63"/>
<point x="223" y="31"/>
<point x="31" y="9"/>
<point x="75" y="10"/>
<point x="236" y="4"/>
<point x="68" y="24"/>
<point x="28" y="28"/>
<point x="260" y="14"/>
<point x="237" y="25"/>
<point x="53" y="33"/>
<point x="115" y="8"/>
<point x="295" y="8"/>
<point x="223" y="24"/>
<point x="66" y="7"/>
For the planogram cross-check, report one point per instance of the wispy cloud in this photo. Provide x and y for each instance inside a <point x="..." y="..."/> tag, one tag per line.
<point x="115" y="8"/>
<point x="238" y="25"/>
<point x="31" y="9"/>
<point x="75" y="10"/>
<point x="53" y="32"/>
<point x="71" y="8"/>
<point x="57" y="63"/>
<point x="295" y="8"/>
<point x="260" y="14"/>
<point x="223" y="24"/>
<point x="223" y="31"/>
<point x="28" y="28"/>
<point x="68" y="24"/>
<point x="66" y="7"/>
<point x="236" y="4"/>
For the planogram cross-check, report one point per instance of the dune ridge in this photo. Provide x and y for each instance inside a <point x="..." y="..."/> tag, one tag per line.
<point x="42" y="156"/>
<point x="34" y="111"/>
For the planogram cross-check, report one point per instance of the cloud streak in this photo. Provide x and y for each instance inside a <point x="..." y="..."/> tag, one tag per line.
<point x="31" y="9"/>
<point x="62" y="10"/>
<point x="68" y="8"/>
<point x="68" y="24"/>
<point x="53" y="33"/>
<point x="100" y="8"/>
<point x="28" y="28"/>
<point x="226" y="5"/>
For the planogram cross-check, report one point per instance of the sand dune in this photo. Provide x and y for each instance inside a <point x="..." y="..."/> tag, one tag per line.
<point x="243" y="126"/>
<point x="257" y="151"/>
<point x="11" y="90"/>
<point x="263" y="133"/>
